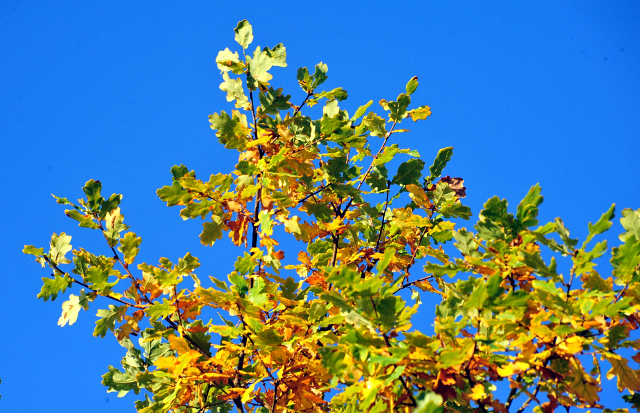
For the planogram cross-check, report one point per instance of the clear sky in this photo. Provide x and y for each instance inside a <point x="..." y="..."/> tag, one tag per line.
<point x="526" y="92"/>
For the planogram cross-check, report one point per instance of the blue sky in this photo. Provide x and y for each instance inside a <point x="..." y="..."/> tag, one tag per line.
<point x="118" y="91"/>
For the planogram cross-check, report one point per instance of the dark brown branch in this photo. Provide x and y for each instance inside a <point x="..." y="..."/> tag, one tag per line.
<point x="298" y="108"/>
<point x="56" y="268"/>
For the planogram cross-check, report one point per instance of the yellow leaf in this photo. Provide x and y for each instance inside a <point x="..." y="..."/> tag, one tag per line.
<point x="179" y="344"/>
<point x="478" y="392"/>
<point x="572" y="345"/>
<point x="627" y="378"/>
<point x="512" y="368"/>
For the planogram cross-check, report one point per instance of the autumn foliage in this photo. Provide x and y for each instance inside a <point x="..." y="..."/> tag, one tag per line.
<point x="333" y="330"/>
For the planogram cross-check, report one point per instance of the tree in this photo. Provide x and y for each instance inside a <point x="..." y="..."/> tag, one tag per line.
<point x="338" y="335"/>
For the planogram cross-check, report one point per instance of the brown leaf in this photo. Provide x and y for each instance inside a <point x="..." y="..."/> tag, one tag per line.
<point x="456" y="184"/>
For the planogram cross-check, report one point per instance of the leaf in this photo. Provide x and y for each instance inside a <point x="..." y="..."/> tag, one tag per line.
<point x="602" y="225"/>
<point x="71" y="308"/>
<point x="244" y="33"/>
<point x="443" y="157"/>
<point x="54" y="286"/>
<point x="158" y="311"/>
<point x="389" y="253"/>
<point x="31" y="250"/>
<point x="109" y="205"/>
<point x="456" y="184"/>
<point x="178" y="344"/>
<point x="375" y="124"/>
<point x="564" y="234"/>
<point x="108" y="319"/>
<point x="428" y="402"/>
<point x="631" y="223"/>
<point x="129" y="247"/>
<point x="420" y="113"/>
<point x="92" y="190"/>
<point x="259" y="65"/>
<point x="174" y="195"/>
<point x="212" y="231"/>
<point x="278" y="55"/>
<point x="320" y="75"/>
<point x="273" y="101"/>
<point x="398" y="109"/>
<point x="235" y="91"/>
<point x="528" y="208"/>
<point x="627" y="378"/>
<point x="233" y="132"/>
<point x="114" y="226"/>
<point x="228" y="61"/>
<point x="86" y="221"/>
<point x="59" y="247"/>
<point x="412" y="85"/>
<point x="361" y="110"/>
<point x="409" y="172"/>
<point x="116" y="380"/>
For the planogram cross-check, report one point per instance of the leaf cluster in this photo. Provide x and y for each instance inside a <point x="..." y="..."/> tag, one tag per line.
<point x="332" y="327"/>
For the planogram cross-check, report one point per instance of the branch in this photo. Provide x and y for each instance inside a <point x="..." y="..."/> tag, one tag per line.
<point x="512" y="393"/>
<point x="297" y="110"/>
<point x="366" y="174"/>
<point x="56" y="268"/>
<point x="625" y="286"/>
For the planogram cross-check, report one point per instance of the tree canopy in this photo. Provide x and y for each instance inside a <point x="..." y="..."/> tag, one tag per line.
<point x="333" y="328"/>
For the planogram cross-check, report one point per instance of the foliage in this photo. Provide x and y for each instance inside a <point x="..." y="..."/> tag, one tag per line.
<point x="333" y="331"/>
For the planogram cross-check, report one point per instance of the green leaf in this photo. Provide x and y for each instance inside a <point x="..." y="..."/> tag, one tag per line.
<point x="31" y="250"/>
<point x="398" y="109"/>
<point x="278" y="55"/>
<point x="109" y="205"/>
<point x="245" y="264"/>
<point x="129" y="247"/>
<point x="158" y="311"/>
<point x="412" y="85"/>
<point x="255" y="294"/>
<point x="244" y="34"/>
<point x="631" y="223"/>
<point x="228" y="61"/>
<point x="86" y="221"/>
<point x="429" y="402"/>
<point x="212" y="231"/>
<point x="389" y="253"/>
<point x="465" y="243"/>
<point x="233" y="132"/>
<point x="174" y="195"/>
<point x="409" y="172"/>
<point x="603" y="224"/>
<point x="116" y="380"/>
<point x="108" y="319"/>
<point x="320" y="75"/>
<point x="235" y="91"/>
<point x="92" y="191"/>
<point x="114" y="226"/>
<point x="361" y="110"/>
<point x="443" y="157"/>
<point x="375" y="124"/>
<point x="564" y="234"/>
<point x="320" y="210"/>
<point x="188" y="263"/>
<point x="528" y="208"/>
<point x="259" y="66"/>
<point x="54" y="286"/>
<point x="59" y="246"/>
<point x="273" y="102"/>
